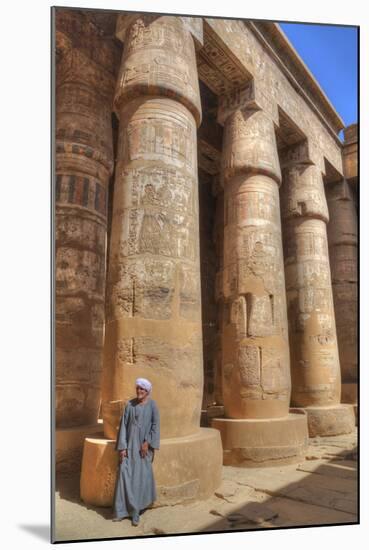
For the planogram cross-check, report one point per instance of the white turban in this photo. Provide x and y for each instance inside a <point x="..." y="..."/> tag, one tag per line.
<point x="144" y="383"/>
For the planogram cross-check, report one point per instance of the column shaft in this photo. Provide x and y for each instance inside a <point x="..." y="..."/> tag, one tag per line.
<point x="342" y="241"/>
<point x="154" y="296"/>
<point x="84" y="162"/>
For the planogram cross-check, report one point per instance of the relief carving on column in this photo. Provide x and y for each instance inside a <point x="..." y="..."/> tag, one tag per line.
<point x="255" y="338"/>
<point x="343" y="243"/>
<point x="303" y="189"/>
<point x="153" y="288"/>
<point x="314" y="354"/>
<point x="250" y="145"/>
<point x="85" y="80"/>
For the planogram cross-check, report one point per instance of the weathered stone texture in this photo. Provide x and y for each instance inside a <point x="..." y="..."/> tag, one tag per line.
<point x="85" y="79"/>
<point x="197" y="275"/>
<point x="276" y="89"/>
<point x="342" y="239"/>
<point x="154" y="294"/>
<point x="350" y="153"/>
<point x="313" y="344"/>
<point x="256" y="378"/>
<point x="315" y="365"/>
<point x="153" y="315"/>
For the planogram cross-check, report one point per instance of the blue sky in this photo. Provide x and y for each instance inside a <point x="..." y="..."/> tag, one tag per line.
<point x="330" y="52"/>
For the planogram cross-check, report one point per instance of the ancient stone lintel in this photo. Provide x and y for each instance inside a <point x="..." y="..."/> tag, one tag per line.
<point x="218" y="67"/>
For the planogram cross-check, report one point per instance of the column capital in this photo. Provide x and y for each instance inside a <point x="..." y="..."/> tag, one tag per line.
<point x="249" y="96"/>
<point x="298" y="153"/>
<point x="193" y="24"/>
<point x="249" y="145"/>
<point x="77" y="68"/>
<point x="302" y="193"/>
<point x="158" y="60"/>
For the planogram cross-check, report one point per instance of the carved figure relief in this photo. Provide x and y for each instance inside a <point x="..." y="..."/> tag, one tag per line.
<point x="249" y="365"/>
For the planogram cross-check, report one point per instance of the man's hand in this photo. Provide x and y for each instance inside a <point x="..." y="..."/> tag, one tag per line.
<point x="144" y="449"/>
<point x="122" y="454"/>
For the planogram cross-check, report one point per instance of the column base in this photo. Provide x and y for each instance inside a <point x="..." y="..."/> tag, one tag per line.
<point x="331" y="420"/>
<point x="211" y="412"/>
<point x="349" y="393"/>
<point x="263" y="442"/>
<point x="185" y="469"/>
<point x="69" y="447"/>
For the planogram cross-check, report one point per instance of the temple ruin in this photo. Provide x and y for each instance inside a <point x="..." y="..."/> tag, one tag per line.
<point x="206" y="238"/>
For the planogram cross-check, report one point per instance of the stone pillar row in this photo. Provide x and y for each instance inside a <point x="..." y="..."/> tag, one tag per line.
<point x="153" y="317"/>
<point x="153" y="297"/>
<point x="258" y="428"/>
<point x="315" y="366"/>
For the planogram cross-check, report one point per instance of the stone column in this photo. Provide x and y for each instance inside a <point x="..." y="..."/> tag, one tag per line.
<point x="153" y="324"/>
<point x="85" y="83"/>
<point x="315" y="367"/>
<point x="342" y="241"/>
<point x="258" y="429"/>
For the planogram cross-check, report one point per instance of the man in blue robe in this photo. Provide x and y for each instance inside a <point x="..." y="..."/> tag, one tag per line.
<point x="138" y="437"/>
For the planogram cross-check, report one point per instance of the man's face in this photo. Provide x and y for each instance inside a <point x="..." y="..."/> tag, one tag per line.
<point x="141" y="392"/>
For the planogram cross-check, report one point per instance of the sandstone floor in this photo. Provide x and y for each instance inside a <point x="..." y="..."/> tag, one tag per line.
<point x="320" y="490"/>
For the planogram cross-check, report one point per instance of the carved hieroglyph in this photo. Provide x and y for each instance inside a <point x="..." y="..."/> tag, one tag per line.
<point x="153" y="324"/>
<point x="84" y="160"/>
<point x="313" y="343"/>
<point x="342" y="240"/>
<point x="256" y="377"/>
